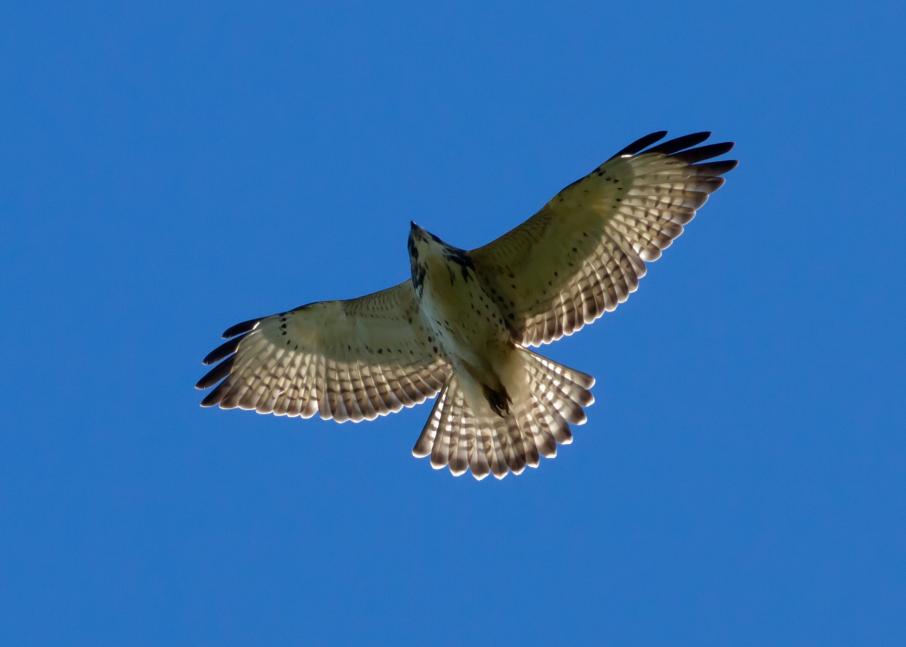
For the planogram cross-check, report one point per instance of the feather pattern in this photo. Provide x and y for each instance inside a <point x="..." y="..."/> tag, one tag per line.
<point x="584" y="252"/>
<point x="580" y="256"/>
<point x="457" y="438"/>
<point x="344" y="360"/>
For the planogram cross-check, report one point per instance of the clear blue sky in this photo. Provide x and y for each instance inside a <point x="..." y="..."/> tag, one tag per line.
<point x="169" y="171"/>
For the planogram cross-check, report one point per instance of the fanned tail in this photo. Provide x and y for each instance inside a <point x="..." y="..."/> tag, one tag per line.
<point x="457" y="438"/>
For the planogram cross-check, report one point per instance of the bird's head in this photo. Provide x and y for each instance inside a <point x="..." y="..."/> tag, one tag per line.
<point x="425" y="247"/>
<point x="422" y="246"/>
<point x="423" y="242"/>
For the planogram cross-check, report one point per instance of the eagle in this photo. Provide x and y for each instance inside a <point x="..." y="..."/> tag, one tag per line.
<point x="462" y="327"/>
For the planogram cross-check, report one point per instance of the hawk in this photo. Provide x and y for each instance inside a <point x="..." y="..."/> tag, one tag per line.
<point x="462" y="326"/>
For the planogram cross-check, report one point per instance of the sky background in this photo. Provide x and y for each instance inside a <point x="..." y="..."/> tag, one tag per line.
<point x="170" y="170"/>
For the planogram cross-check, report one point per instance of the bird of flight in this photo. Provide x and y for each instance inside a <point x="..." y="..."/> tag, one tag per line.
<point x="461" y="327"/>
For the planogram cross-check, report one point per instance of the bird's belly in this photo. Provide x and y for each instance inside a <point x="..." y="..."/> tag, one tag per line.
<point x="471" y="330"/>
<point x="464" y="318"/>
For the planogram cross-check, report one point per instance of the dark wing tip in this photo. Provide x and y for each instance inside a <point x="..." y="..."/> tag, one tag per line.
<point x="216" y="396"/>
<point x="678" y="147"/>
<point x="238" y="329"/>
<point x="702" y="153"/>
<point x="216" y="374"/>
<point x="226" y="348"/>
<point x="717" y="168"/>
<point x="641" y="143"/>
<point x="680" y="143"/>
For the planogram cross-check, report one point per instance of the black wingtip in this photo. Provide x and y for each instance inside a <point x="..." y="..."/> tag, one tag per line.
<point x="226" y="348"/>
<point x="238" y="329"/>
<point x="680" y="148"/>
<point x="216" y="374"/>
<point x="216" y="396"/>
<point x="641" y="143"/>
<point x="718" y="168"/>
<point x="680" y="143"/>
<point x="703" y="153"/>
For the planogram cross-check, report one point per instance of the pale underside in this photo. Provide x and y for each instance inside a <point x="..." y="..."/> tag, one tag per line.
<point x="581" y="255"/>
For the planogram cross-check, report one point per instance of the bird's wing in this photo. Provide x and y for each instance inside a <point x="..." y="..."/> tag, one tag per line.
<point x="346" y="360"/>
<point x="584" y="252"/>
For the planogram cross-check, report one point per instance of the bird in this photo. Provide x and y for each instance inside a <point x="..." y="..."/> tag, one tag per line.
<point x="461" y="329"/>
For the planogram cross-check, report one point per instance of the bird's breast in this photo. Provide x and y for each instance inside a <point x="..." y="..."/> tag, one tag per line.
<point x="463" y="316"/>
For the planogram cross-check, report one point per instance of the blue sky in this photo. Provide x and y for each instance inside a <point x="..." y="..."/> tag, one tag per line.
<point x="169" y="171"/>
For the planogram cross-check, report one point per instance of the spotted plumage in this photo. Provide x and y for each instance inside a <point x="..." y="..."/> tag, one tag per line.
<point x="460" y="328"/>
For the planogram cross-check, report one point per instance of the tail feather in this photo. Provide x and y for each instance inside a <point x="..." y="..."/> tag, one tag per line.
<point x="515" y="452"/>
<point x="495" y="447"/>
<point x="478" y="456"/>
<point x="459" y="438"/>
<point x="557" y="423"/>
<point x="440" y="452"/>
<point x="532" y="453"/>
<point x="544" y="437"/>
<point x="425" y="442"/>
<point x="497" y="444"/>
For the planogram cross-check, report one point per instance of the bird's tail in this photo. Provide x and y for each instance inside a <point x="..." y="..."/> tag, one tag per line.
<point x="490" y="443"/>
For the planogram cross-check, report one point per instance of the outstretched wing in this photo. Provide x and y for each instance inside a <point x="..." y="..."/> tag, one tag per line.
<point x="346" y="360"/>
<point x="584" y="252"/>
